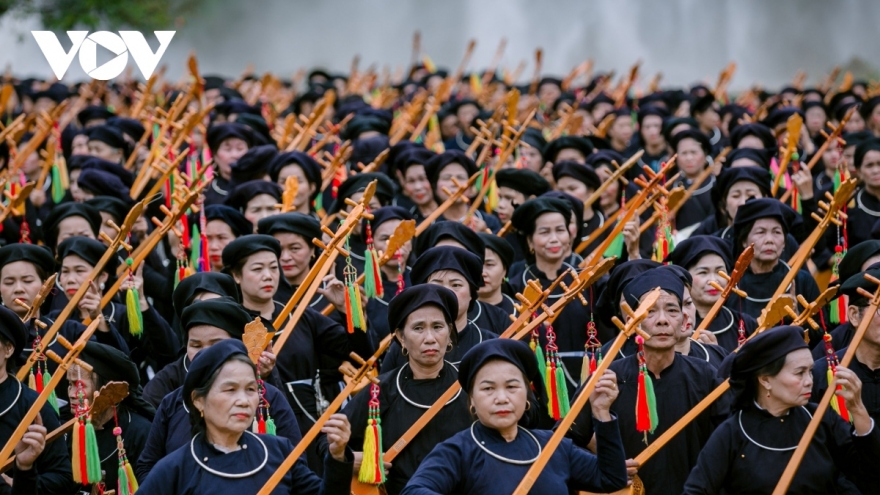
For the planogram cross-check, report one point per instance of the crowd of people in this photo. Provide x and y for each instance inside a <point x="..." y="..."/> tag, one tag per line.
<point x="558" y="163"/>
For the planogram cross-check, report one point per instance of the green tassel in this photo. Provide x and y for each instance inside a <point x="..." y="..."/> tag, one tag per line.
<point x="133" y="310"/>
<point x="93" y="457"/>
<point x="652" y="401"/>
<point x="369" y="275"/>
<point x="270" y="426"/>
<point x="379" y="444"/>
<point x="542" y="364"/>
<point x="195" y="247"/>
<point x="53" y="400"/>
<point x="123" y="481"/>
<point x="562" y="391"/>
<point x="355" y="311"/>
<point x="57" y="189"/>
<point x="615" y="249"/>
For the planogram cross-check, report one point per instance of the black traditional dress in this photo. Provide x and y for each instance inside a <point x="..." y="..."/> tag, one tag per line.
<point x="861" y="216"/>
<point x="171" y="427"/>
<point x="870" y="382"/>
<point x="198" y="468"/>
<point x="725" y="327"/>
<point x="760" y="288"/>
<point x="402" y="401"/>
<point x="480" y="461"/>
<point x="748" y="453"/>
<point x="698" y="207"/>
<point x="678" y="389"/>
<point x="54" y="474"/>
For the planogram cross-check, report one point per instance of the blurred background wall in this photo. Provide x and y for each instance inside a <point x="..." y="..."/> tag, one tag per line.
<point x="688" y="40"/>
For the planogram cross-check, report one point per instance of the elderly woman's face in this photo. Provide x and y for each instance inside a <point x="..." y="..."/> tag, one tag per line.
<point x="769" y="239"/>
<point x="230" y="404"/>
<point x="793" y="384"/>
<point x="499" y="395"/>
<point x="458" y="284"/>
<point x="425" y="336"/>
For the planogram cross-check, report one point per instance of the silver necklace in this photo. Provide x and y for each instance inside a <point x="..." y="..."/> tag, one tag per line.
<point x="787" y="289"/>
<point x="479" y="313"/>
<point x="702" y="189"/>
<point x="505" y="459"/>
<point x="192" y="449"/>
<point x="17" y="395"/>
<point x="701" y="346"/>
<point x="865" y="208"/>
<point x="773" y="449"/>
<point x="217" y="189"/>
<point x="416" y="404"/>
<point x="515" y="312"/>
<point x="729" y="325"/>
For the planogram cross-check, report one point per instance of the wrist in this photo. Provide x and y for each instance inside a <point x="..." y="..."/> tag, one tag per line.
<point x="601" y="414"/>
<point x="20" y="466"/>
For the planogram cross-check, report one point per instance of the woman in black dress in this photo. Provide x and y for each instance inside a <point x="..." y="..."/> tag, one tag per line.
<point x="771" y="380"/>
<point x="224" y="456"/>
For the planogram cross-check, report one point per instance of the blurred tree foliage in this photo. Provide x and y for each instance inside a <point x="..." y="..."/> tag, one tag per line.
<point x="62" y="15"/>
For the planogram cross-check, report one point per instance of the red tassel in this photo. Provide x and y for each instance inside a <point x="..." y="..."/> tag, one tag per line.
<point x="643" y="416"/>
<point x="348" y="319"/>
<point x="593" y="364"/>
<point x="841" y="406"/>
<point x="39" y="380"/>
<point x="83" y="465"/>
<point x="261" y="425"/>
<point x="554" y="402"/>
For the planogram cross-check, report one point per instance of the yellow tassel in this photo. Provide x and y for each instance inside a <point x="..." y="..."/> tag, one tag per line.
<point x="32" y="382"/>
<point x="132" y="480"/>
<point x="368" y="465"/>
<point x="74" y="457"/>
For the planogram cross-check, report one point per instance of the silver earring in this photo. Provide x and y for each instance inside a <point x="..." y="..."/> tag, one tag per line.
<point x="101" y="285"/>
